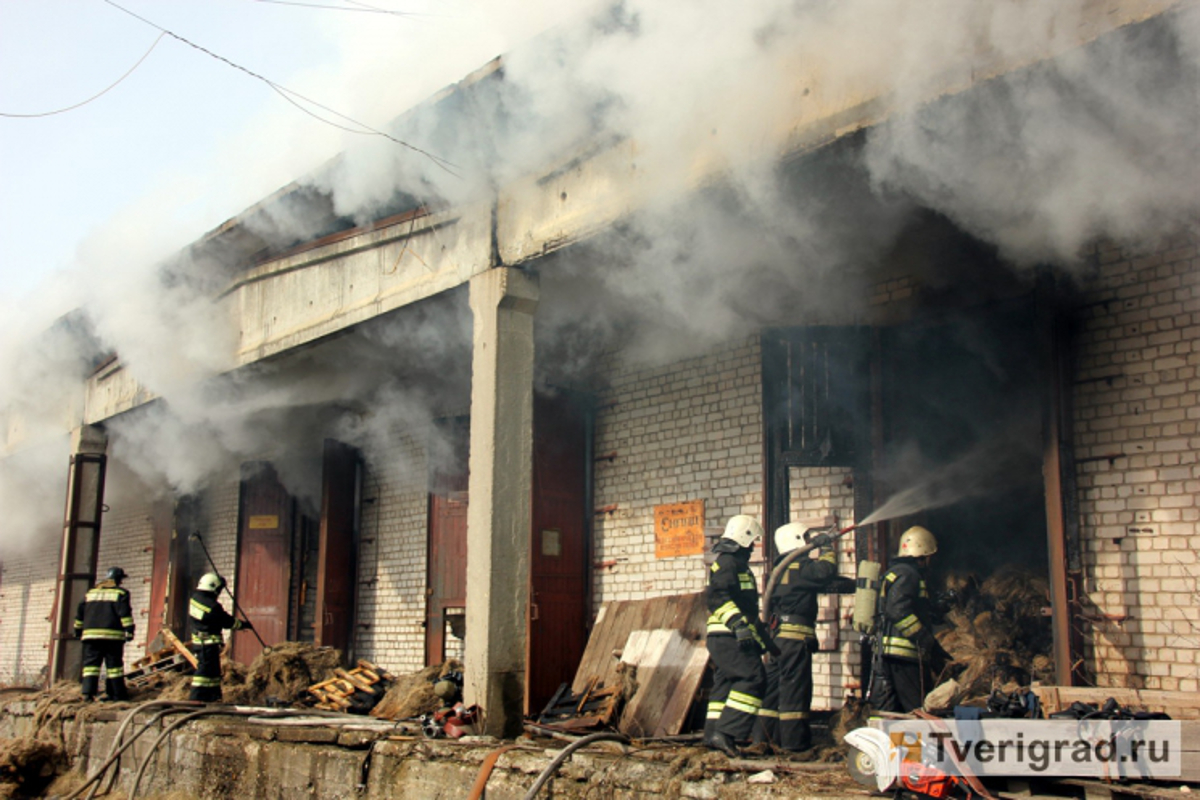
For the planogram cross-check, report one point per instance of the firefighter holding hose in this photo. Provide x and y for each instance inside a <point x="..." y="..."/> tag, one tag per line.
<point x="902" y="673"/>
<point x="209" y="619"/>
<point x="734" y="639"/>
<point x="784" y="716"/>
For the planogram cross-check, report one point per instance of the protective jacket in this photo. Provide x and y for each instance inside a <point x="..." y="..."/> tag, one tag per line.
<point x="732" y="595"/>
<point x="209" y="618"/>
<point x="906" y="615"/>
<point x="104" y="614"/>
<point x="794" y="602"/>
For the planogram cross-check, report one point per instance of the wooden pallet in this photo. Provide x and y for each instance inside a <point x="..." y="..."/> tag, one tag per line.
<point x="174" y="656"/>
<point x="338" y="693"/>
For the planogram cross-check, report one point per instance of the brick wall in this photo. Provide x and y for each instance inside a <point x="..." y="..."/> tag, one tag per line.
<point x="392" y="561"/>
<point x="816" y="493"/>
<point x="688" y="431"/>
<point x="1137" y="403"/>
<point x="127" y="541"/>
<point x="27" y="587"/>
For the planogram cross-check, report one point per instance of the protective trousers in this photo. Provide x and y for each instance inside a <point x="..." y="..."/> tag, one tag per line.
<point x="206" y="682"/>
<point x="899" y="684"/>
<point x="111" y="655"/>
<point x="784" y="718"/>
<point x="739" y="681"/>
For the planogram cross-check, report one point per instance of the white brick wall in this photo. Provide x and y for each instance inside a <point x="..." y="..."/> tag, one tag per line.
<point x="26" y="602"/>
<point x="392" y="564"/>
<point x="817" y="493"/>
<point x="689" y="431"/>
<point x="1136" y="411"/>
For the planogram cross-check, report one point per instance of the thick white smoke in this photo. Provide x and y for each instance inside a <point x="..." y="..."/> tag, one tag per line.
<point x="1036" y="163"/>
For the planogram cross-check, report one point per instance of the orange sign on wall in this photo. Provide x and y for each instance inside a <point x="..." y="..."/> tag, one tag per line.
<point x="679" y="529"/>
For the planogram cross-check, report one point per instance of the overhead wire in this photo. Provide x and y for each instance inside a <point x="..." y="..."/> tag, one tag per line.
<point x="288" y="94"/>
<point x="362" y="7"/>
<point x="95" y="96"/>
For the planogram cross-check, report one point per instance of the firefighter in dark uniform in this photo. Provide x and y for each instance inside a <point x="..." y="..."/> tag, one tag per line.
<point x="784" y="717"/>
<point x="902" y="671"/>
<point x="735" y="642"/>
<point x="209" y="619"/>
<point x="104" y="621"/>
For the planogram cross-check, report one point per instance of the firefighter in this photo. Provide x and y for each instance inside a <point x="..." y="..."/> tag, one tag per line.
<point x="735" y="642"/>
<point x="902" y="670"/>
<point x="209" y="619"/>
<point x="784" y="717"/>
<point x="104" y="621"/>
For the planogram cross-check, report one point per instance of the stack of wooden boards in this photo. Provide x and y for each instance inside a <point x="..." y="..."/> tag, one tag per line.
<point x="352" y="690"/>
<point x="650" y="654"/>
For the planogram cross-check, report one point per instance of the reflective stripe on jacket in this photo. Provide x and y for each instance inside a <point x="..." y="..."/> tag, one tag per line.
<point x="105" y="614"/>
<point x="904" y="610"/>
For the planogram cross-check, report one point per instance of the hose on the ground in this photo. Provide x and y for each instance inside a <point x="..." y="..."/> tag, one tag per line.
<point x="113" y="760"/>
<point x="560" y="759"/>
<point x="231" y="711"/>
<point x="116" y="749"/>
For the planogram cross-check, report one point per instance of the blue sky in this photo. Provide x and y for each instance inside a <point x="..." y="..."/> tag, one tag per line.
<point x="187" y="141"/>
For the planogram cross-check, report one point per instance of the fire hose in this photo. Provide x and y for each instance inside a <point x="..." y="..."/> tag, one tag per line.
<point x="232" y="598"/>
<point x="776" y="574"/>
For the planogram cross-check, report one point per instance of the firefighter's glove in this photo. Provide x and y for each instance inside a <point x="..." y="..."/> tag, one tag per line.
<point x="244" y="625"/>
<point x="821" y="540"/>
<point x="747" y="640"/>
<point x="129" y="636"/>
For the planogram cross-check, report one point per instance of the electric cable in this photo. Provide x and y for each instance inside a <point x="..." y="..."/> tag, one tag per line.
<point x="93" y="97"/>
<point x="288" y="94"/>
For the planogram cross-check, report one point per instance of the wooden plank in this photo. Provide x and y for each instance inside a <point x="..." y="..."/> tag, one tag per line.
<point x="179" y="646"/>
<point x="675" y="712"/>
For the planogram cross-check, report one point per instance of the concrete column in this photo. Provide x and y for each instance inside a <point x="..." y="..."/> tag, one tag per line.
<point x="499" y="518"/>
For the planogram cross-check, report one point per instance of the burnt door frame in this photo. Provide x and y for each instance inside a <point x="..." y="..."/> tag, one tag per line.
<point x="817" y="382"/>
<point x="164" y="570"/>
<point x="337" y="548"/>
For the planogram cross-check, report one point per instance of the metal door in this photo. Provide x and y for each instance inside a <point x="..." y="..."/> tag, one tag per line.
<point x="446" y="585"/>
<point x="263" y="570"/>
<point x="558" y="614"/>
<point x="337" y="562"/>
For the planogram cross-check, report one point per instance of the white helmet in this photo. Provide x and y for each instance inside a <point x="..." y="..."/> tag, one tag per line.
<point x="210" y="582"/>
<point x="789" y="537"/>
<point x="917" y="541"/>
<point x="743" y="529"/>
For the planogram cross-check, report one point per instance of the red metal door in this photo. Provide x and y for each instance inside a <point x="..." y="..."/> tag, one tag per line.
<point x="337" y="563"/>
<point x="264" y="548"/>
<point x="446" y="584"/>
<point x="558" y="564"/>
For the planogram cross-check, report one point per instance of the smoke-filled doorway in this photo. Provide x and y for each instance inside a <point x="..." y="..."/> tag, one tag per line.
<point x="962" y="416"/>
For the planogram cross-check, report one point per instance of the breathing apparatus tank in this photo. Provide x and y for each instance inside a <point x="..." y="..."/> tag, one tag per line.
<point x="866" y="595"/>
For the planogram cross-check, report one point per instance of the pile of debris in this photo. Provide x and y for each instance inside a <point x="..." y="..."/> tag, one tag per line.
<point x="1000" y="636"/>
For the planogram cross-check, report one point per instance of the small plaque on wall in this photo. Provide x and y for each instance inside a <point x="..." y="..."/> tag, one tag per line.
<point x="264" y="522"/>
<point x="679" y="529"/>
